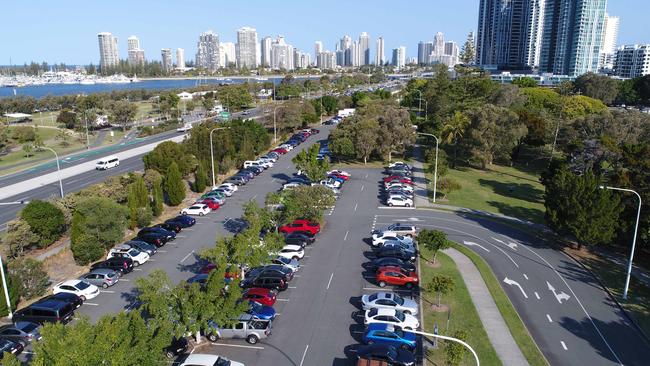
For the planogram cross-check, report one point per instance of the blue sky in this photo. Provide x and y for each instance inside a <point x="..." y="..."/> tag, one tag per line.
<point x="66" y="31"/>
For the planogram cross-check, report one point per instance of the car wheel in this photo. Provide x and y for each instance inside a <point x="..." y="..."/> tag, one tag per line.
<point x="407" y="205"/>
<point x="405" y="347"/>
<point x="409" y="285"/>
<point x="83" y="298"/>
<point x="136" y="263"/>
<point x="371" y="342"/>
<point x="212" y="337"/>
<point x="169" y="354"/>
<point x="104" y="285"/>
<point x="382" y="284"/>
<point x="252" y="339"/>
<point x="201" y="214"/>
<point x="390" y="205"/>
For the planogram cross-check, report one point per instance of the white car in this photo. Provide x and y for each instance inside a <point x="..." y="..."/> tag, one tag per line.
<point x="330" y="183"/>
<point x="391" y="316"/>
<point x="252" y="163"/>
<point x="199" y="209"/>
<point x="292" y="252"/>
<point x="225" y="190"/>
<point x="402" y="186"/>
<point x="135" y="255"/>
<point x="399" y="228"/>
<point x="291" y="185"/>
<point x="80" y="288"/>
<point x="389" y="300"/>
<point x="268" y="161"/>
<point x="400" y="201"/>
<point x="340" y="172"/>
<point x="230" y="186"/>
<point x="381" y="237"/>
<point x="399" y="163"/>
<point x="203" y="359"/>
<point x="287" y="147"/>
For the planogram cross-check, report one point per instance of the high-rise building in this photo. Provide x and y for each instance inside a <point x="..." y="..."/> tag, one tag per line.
<point x="608" y="50"/>
<point x="399" y="57"/>
<point x="228" y="54"/>
<point x="246" y="48"/>
<point x="355" y="54"/>
<point x="282" y="57"/>
<point x="632" y="61"/>
<point x="424" y="51"/>
<point x="534" y="31"/>
<point x="318" y="48"/>
<point x="326" y="60"/>
<point x="108" y="51"/>
<point x="136" y="55"/>
<point x="207" y="51"/>
<point x="167" y="65"/>
<point x="439" y="44"/>
<point x="572" y="36"/>
<point x="364" y="49"/>
<point x="180" y="58"/>
<point x="380" y="57"/>
<point x="265" y="49"/>
<point x="452" y="50"/>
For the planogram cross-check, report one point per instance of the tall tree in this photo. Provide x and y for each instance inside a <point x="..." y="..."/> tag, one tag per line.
<point x="441" y="285"/>
<point x="200" y="178"/>
<point x="45" y="219"/>
<point x="307" y="161"/>
<point x="597" y="86"/>
<point x="468" y="51"/>
<point x="158" y="198"/>
<point x="433" y="240"/>
<point x="453" y="130"/>
<point x="122" y="113"/>
<point x="19" y="237"/>
<point x="173" y="185"/>
<point x="365" y="138"/>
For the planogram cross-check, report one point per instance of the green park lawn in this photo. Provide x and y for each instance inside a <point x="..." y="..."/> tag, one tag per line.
<point x="499" y="189"/>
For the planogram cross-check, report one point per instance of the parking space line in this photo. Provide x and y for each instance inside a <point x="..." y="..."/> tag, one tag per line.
<point x="162" y="251"/>
<point x="137" y="269"/>
<point x="91" y="303"/>
<point x="292" y="287"/>
<point x="107" y="291"/>
<point x="330" y="281"/>
<point x="362" y="187"/>
<point x="180" y="236"/>
<point x="346" y="235"/>
<point x="187" y="256"/>
<point x="151" y="260"/>
<point x="549" y="318"/>
<point x="537" y="295"/>
<point x="124" y="279"/>
<point x="355" y="206"/>
<point x="235" y="345"/>
<point x="305" y="354"/>
<point x="564" y="346"/>
<point x="284" y="300"/>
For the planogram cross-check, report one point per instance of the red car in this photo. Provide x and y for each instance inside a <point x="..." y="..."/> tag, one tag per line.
<point x="280" y="151"/>
<point x="260" y="295"/>
<point x="210" y="203"/>
<point x="209" y="267"/>
<point x="312" y="228"/>
<point x="399" y="180"/>
<point x="396" y="276"/>
<point x="336" y="175"/>
<point x="394" y="177"/>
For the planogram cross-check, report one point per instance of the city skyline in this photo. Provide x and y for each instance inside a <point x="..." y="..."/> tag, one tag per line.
<point x="76" y="42"/>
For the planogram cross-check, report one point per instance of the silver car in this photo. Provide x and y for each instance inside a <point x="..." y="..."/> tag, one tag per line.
<point x="101" y="277"/>
<point x="389" y="300"/>
<point x="23" y="332"/>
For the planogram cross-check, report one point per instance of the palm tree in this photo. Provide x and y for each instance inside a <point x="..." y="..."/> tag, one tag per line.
<point x="453" y="130"/>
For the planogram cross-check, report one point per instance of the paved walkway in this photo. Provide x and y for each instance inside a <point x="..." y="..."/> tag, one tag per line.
<point x="497" y="330"/>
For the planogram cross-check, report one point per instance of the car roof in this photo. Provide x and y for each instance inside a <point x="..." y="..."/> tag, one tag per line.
<point x="385" y="311"/>
<point x="258" y="290"/>
<point x="292" y="247"/>
<point x="101" y="271"/>
<point x="201" y="358"/>
<point x="68" y="282"/>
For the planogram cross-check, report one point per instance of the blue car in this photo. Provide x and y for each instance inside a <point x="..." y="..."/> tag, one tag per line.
<point x="183" y="220"/>
<point x="260" y="311"/>
<point x="381" y="333"/>
<point x="338" y="179"/>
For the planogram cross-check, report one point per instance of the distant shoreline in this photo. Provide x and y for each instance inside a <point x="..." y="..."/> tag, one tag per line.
<point x="225" y="77"/>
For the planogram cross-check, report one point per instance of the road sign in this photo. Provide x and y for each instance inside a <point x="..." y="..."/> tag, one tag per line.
<point x="224" y="115"/>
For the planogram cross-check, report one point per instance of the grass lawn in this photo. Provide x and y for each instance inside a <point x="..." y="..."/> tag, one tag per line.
<point x="499" y="189"/>
<point x="463" y="315"/>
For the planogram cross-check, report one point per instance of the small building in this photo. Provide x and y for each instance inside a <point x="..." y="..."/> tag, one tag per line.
<point x="347" y="112"/>
<point x="185" y="96"/>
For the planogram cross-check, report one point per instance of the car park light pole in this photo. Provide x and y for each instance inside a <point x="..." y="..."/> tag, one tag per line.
<point x="58" y="167"/>
<point x="435" y="167"/>
<point x="478" y="363"/>
<point x="636" y="228"/>
<point x="4" y="286"/>
<point x="212" y="154"/>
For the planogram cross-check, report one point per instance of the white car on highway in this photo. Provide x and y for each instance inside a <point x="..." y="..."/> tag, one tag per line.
<point x="381" y="237"/>
<point x="230" y="186"/>
<point x="391" y="316"/>
<point x="389" y="300"/>
<point x="292" y="252"/>
<point x="199" y="209"/>
<point x="399" y="201"/>
<point x="80" y="288"/>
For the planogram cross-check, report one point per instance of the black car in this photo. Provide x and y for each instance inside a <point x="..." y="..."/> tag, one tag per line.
<point x="299" y="238"/>
<point x="392" y="262"/>
<point x="72" y="299"/>
<point x="256" y="170"/>
<point x="270" y="282"/>
<point x="183" y="220"/>
<point x="246" y="173"/>
<point x="271" y="270"/>
<point x="171" y="235"/>
<point x="236" y="180"/>
<point x="121" y="265"/>
<point x="178" y="347"/>
<point x="170" y="226"/>
<point x="395" y="252"/>
<point x="384" y="352"/>
<point x="153" y="238"/>
<point x="10" y="346"/>
<point x="142" y="246"/>
<point x="46" y="311"/>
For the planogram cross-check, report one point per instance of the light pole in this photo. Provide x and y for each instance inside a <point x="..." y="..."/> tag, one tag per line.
<point x="478" y="363"/>
<point x="435" y="167"/>
<point x="58" y="167"/>
<point x="636" y="228"/>
<point x="214" y="185"/>
<point x="4" y="286"/>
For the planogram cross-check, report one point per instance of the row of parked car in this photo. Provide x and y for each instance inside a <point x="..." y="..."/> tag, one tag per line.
<point x="398" y="185"/>
<point x="390" y="318"/>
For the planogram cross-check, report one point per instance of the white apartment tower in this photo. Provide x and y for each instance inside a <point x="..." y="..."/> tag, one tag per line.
<point x="207" y="51"/>
<point x="380" y="57"/>
<point x="180" y="58"/>
<point x="399" y="57"/>
<point x="608" y="49"/>
<point x="632" y="61"/>
<point x="318" y="48"/>
<point x="167" y="65"/>
<point x="227" y="54"/>
<point x="108" y="51"/>
<point x="136" y="55"/>
<point x="246" y="48"/>
<point x="364" y="49"/>
<point x="265" y="50"/>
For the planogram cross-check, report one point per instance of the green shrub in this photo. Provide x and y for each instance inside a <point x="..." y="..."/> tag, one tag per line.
<point x="144" y="216"/>
<point x="158" y="198"/>
<point x="33" y="278"/>
<point x="46" y="220"/>
<point x="174" y="186"/>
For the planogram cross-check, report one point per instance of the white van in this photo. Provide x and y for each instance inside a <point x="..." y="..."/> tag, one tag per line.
<point x="107" y="163"/>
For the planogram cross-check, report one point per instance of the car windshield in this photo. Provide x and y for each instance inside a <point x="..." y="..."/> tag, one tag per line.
<point x="398" y="299"/>
<point x="29" y="327"/>
<point x="399" y="315"/>
<point x="82" y="285"/>
<point x="372" y="312"/>
<point x="372" y="297"/>
<point x="134" y="252"/>
<point x="222" y="362"/>
<point x="255" y="307"/>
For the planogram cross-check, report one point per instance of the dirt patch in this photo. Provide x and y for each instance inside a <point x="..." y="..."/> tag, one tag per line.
<point x="439" y="309"/>
<point x="429" y="264"/>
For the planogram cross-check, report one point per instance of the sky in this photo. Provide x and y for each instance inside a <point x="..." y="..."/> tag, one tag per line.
<point x="66" y="31"/>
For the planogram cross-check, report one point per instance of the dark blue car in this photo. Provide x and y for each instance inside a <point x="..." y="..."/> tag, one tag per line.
<point x="381" y="333"/>
<point x="260" y="311"/>
<point x="183" y="220"/>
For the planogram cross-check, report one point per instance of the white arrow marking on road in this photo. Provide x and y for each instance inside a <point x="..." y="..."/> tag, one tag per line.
<point x="515" y="283"/>
<point x="472" y="244"/>
<point x="559" y="296"/>
<point x="511" y="245"/>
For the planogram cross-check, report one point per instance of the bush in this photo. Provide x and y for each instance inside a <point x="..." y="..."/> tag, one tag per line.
<point x="157" y="201"/>
<point x="165" y="154"/>
<point x="46" y="220"/>
<point x="83" y="249"/>
<point x="200" y="178"/>
<point x="144" y="216"/>
<point x="20" y="237"/>
<point x="174" y="186"/>
<point x="33" y="278"/>
<point x="24" y="134"/>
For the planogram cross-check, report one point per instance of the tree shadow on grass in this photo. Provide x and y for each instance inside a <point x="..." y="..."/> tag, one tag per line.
<point x="526" y="192"/>
<point x="523" y="213"/>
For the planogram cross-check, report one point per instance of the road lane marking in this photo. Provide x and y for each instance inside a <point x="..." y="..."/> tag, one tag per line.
<point x="549" y="318"/>
<point x="235" y="345"/>
<point x="292" y="287"/>
<point x="515" y="283"/>
<point x="188" y="254"/>
<point x="346" y="235"/>
<point x="355" y="206"/>
<point x="330" y="281"/>
<point x="472" y="244"/>
<point x="564" y="345"/>
<point x="362" y="187"/>
<point x="526" y="277"/>
<point x="303" y="355"/>
<point x="558" y="296"/>
<point x="537" y="295"/>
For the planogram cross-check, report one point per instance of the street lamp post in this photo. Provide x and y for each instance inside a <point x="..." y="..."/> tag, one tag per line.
<point x="435" y="167"/>
<point x="4" y="286"/>
<point x="636" y="228"/>
<point x="478" y="363"/>
<point x="214" y="185"/>
<point x="58" y="167"/>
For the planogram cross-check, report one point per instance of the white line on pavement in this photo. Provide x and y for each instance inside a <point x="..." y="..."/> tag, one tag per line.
<point x="180" y="236"/>
<point x="285" y="300"/>
<point x="362" y="187"/>
<point x="564" y="346"/>
<point x="255" y="196"/>
<point x="107" y="291"/>
<point x="292" y="287"/>
<point x="137" y="269"/>
<point x="303" y="355"/>
<point x="330" y="281"/>
<point x="537" y="295"/>
<point x="526" y="277"/>
<point x="366" y="175"/>
<point x="355" y="206"/>
<point x="151" y="260"/>
<point x="124" y="279"/>
<point x="346" y="235"/>
<point x="235" y="345"/>
<point x="162" y="251"/>
<point x="187" y="256"/>
<point x="395" y="208"/>
<point x="91" y="303"/>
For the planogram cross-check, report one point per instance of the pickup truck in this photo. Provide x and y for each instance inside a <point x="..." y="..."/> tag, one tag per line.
<point x="245" y="327"/>
<point x="184" y="128"/>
